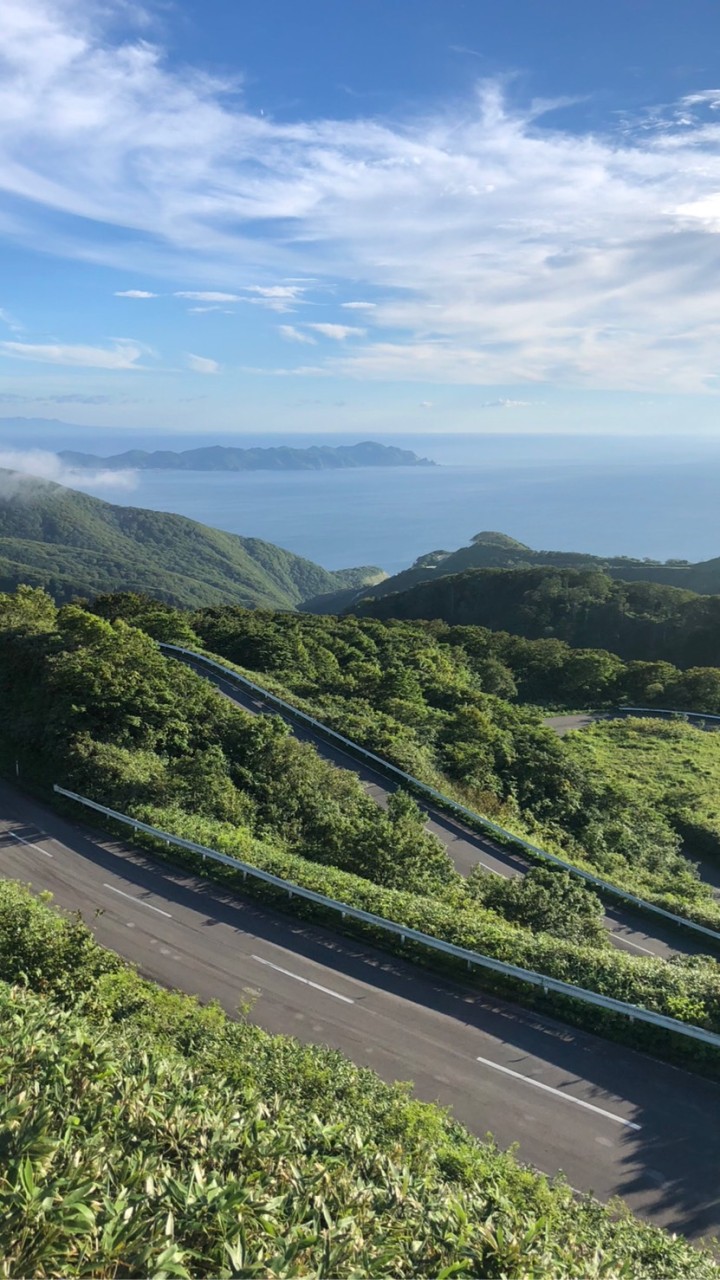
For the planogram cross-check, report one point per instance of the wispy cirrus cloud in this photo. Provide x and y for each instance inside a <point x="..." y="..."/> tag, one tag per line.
<point x="201" y="364"/>
<point x="11" y="397"/>
<point x="9" y="321"/>
<point x="504" y="403"/>
<point x="134" y="293"/>
<point x="292" y="334"/>
<point x="207" y="295"/>
<point x="338" y="332"/>
<point x="123" y="354"/>
<point x="514" y="252"/>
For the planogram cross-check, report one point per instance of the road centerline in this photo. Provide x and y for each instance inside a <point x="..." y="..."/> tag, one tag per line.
<point x="560" y="1093"/>
<point x="298" y="978"/>
<point x="139" y="902"/>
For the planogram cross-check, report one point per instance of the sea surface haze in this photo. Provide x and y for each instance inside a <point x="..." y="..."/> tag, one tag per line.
<point x="638" y="496"/>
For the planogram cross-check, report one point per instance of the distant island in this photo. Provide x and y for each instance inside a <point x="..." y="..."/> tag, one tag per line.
<point x="277" y="458"/>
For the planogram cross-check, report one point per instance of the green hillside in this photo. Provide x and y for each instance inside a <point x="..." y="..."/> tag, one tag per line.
<point x="72" y="544"/>
<point x="492" y="550"/>
<point x="669" y="765"/>
<point x="584" y="607"/>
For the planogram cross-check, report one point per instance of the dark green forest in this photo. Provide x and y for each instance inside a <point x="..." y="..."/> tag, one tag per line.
<point x="492" y="550"/>
<point x="583" y="607"/>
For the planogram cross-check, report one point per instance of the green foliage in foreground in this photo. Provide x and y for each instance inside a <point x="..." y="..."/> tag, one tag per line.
<point x="673" y="766"/>
<point x="75" y="545"/>
<point x="146" y="1135"/>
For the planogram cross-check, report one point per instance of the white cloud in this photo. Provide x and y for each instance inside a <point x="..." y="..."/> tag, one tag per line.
<point x="359" y="306"/>
<point x="291" y="334"/>
<point x="276" y="297"/>
<point x="134" y="293"/>
<point x="426" y="404"/>
<point x="9" y="320"/>
<point x="208" y="295"/>
<point x="202" y="364"/>
<point x="124" y="354"/>
<point x="501" y="251"/>
<point x="506" y="404"/>
<point x="34" y="464"/>
<point x="300" y="371"/>
<point x="339" y="332"/>
<point x="285" y="291"/>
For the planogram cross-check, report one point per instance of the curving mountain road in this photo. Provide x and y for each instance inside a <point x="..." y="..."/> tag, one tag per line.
<point x="616" y="1122"/>
<point x="629" y="931"/>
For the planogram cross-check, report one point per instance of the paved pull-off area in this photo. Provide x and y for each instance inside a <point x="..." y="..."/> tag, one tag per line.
<point x="616" y="1122"/>
<point x="629" y="931"/>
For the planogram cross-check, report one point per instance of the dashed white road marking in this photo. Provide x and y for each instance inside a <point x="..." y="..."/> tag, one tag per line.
<point x="560" y="1093"/>
<point x="298" y="978"/>
<point x="138" y="901"/>
<point x="29" y="843"/>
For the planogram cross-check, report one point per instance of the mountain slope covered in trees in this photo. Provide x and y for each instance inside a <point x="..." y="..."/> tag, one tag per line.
<point x="584" y="607"/>
<point x="76" y="545"/>
<point x="492" y="550"/>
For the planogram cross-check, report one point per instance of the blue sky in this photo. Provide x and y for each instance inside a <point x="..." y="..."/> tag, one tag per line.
<point x="368" y="216"/>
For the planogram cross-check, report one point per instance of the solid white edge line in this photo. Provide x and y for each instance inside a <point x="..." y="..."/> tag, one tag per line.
<point x="567" y="1097"/>
<point x="29" y="843"/>
<point x="288" y="974"/>
<point x="629" y="943"/>
<point x="138" y="901"/>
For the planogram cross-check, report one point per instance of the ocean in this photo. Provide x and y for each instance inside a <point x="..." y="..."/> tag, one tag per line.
<point x="638" y="496"/>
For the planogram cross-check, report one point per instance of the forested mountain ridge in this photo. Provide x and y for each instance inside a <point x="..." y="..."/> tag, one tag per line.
<point x="584" y="607"/>
<point x="276" y="458"/>
<point x="76" y="545"/>
<point x="492" y="550"/>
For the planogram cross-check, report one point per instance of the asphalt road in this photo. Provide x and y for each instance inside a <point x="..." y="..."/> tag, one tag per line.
<point x="629" y="931"/>
<point x="616" y="1122"/>
<point x="567" y="724"/>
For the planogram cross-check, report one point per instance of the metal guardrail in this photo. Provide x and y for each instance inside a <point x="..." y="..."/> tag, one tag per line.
<point x="541" y="855"/>
<point x="667" y="711"/>
<point x="474" y="959"/>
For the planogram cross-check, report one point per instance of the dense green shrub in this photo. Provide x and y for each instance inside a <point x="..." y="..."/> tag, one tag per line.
<point x="413" y="694"/>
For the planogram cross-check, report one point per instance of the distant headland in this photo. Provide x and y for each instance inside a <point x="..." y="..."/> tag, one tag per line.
<point x="277" y="458"/>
